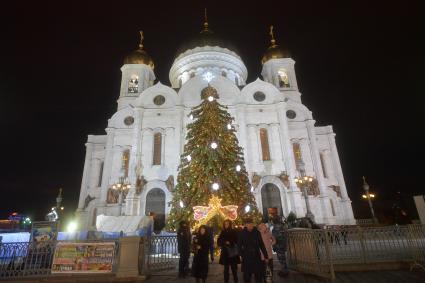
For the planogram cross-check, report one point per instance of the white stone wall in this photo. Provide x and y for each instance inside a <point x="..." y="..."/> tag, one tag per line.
<point x="170" y="119"/>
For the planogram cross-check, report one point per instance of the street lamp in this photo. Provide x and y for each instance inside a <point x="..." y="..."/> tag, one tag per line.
<point x="304" y="182"/>
<point x="122" y="186"/>
<point x="369" y="197"/>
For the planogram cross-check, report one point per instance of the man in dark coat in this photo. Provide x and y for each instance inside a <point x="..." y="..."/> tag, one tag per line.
<point x="250" y="243"/>
<point x="227" y="241"/>
<point x="184" y="240"/>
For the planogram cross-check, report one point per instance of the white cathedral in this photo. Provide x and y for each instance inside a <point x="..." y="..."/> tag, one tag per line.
<point x="132" y="169"/>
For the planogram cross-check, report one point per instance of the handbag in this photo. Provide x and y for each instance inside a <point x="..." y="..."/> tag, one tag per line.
<point x="232" y="251"/>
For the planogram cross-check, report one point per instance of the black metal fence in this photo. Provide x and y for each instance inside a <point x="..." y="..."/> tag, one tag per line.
<point x="162" y="253"/>
<point x="324" y="251"/>
<point x="26" y="259"/>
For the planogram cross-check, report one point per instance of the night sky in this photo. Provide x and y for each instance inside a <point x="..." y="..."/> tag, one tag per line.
<point x="360" y="67"/>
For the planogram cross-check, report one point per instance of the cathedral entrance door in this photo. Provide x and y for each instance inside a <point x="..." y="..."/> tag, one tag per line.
<point x="270" y="197"/>
<point x="155" y="203"/>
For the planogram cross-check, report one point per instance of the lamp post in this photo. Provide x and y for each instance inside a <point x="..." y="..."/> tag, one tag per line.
<point x="369" y="198"/>
<point x="304" y="182"/>
<point x="122" y="186"/>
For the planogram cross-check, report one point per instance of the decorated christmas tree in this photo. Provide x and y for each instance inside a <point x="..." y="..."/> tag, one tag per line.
<point x="212" y="184"/>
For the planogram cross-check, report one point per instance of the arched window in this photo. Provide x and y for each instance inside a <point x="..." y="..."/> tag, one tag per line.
<point x="99" y="182"/>
<point x="157" y="142"/>
<point x="236" y="80"/>
<point x="133" y="84"/>
<point x="297" y="152"/>
<point x="264" y="139"/>
<point x="332" y="207"/>
<point x="322" y="161"/>
<point x="283" y="78"/>
<point x="155" y="205"/>
<point x="270" y="198"/>
<point x="125" y="161"/>
<point x="192" y="74"/>
<point x="224" y="74"/>
<point x="93" y="221"/>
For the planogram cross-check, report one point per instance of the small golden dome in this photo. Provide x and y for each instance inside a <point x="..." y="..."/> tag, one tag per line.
<point x="139" y="56"/>
<point x="274" y="51"/>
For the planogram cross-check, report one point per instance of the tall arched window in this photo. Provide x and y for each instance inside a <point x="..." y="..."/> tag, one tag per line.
<point x="297" y="152"/>
<point x="283" y="78"/>
<point x="264" y="139"/>
<point x="322" y="161"/>
<point x="93" y="221"/>
<point x="133" y="84"/>
<point x="125" y="161"/>
<point x="157" y="142"/>
<point x="99" y="183"/>
<point x="332" y="207"/>
<point x="223" y="73"/>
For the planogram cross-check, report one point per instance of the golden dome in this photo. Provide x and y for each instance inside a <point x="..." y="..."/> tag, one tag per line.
<point x="274" y="51"/>
<point x="139" y="56"/>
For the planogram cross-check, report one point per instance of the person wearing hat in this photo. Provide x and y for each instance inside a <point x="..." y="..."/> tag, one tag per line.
<point x="250" y="243"/>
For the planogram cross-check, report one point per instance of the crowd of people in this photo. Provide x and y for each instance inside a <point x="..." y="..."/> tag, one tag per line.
<point x="251" y="246"/>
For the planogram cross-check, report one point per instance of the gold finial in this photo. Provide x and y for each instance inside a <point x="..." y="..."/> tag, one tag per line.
<point x="205" y="20"/>
<point x="273" y="41"/>
<point x="141" y="39"/>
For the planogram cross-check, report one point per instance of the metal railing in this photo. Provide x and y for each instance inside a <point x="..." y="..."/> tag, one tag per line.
<point x="307" y="252"/>
<point x="26" y="259"/>
<point x="322" y="251"/>
<point x="34" y="259"/>
<point x="162" y="253"/>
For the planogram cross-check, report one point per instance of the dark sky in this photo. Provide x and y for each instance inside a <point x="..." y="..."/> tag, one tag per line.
<point x="360" y="67"/>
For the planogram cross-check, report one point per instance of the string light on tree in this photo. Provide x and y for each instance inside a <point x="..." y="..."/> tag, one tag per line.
<point x="191" y="117"/>
<point x="210" y="98"/>
<point x="215" y="186"/>
<point x="181" y="204"/>
<point x="247" y="208"/>
<point x="213" y="171"/>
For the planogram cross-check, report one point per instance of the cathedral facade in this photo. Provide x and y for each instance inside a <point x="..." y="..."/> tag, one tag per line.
<point x="132" y="169"/>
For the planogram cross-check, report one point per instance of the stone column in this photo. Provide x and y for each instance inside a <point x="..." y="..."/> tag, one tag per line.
<point x="107" y="165"/>
<point x="95" y="170"/>
<point x="294" y="192"/>
<point x="325" y="204"/>
<point x="147" y="145"/>
<point x="286" y="145"/>
<point x="86" y="175"/>
<point x="337" y="166"/>
<point x="317" y="165"/>
<point x="135" y="146"/>
<point x="132" y="201"/>
<point x="253" y="147"/>
<point x="240" y="120"/>
<point x="168" y="143"/>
